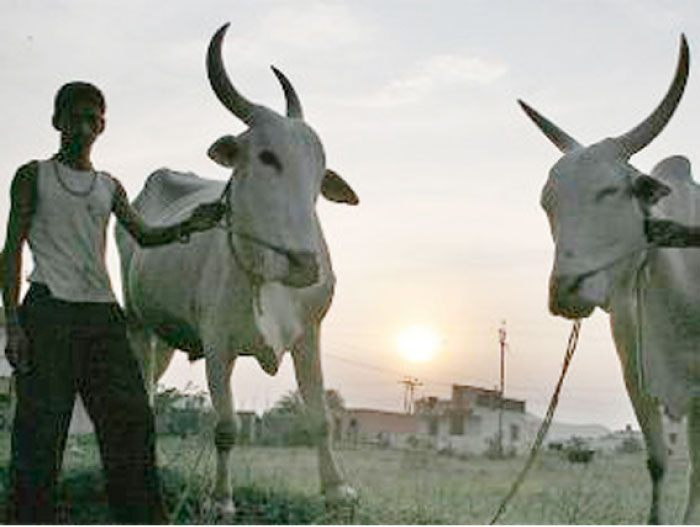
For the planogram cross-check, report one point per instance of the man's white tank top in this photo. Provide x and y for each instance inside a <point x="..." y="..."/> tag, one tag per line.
<point x="68" y="232"/>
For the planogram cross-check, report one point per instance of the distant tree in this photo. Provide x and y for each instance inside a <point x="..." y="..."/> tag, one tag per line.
<point x="286" y="423"/>
<point x="630" y="445"/>
<point x="335" y="401"/>
<point x="578" y="450"/>
<point x="290" y="403"/>
<point x="178" y="412"/>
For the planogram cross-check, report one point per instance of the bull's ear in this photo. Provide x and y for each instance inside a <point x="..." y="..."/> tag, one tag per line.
<point x="334" y="188"/>
<point x="649" y="189"/>
<point x="224" y="151"/>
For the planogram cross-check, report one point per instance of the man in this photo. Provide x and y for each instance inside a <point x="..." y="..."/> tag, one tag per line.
<point x="69" y="334"/>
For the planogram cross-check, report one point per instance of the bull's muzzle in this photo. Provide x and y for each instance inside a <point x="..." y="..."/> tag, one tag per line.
<point x="303" y="269"/>
<point x="568" y="298"/>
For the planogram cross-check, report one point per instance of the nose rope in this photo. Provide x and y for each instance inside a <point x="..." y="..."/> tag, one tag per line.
<point x="546" y="422"/>
<point x="571" y="347"/>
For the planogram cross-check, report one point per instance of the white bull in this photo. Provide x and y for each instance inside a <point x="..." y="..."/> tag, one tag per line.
<point x="258" y="286"/>
<point x="597" y="204"/>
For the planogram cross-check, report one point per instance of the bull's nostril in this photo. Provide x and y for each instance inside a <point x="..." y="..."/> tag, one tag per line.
<point x="568" y="254"/>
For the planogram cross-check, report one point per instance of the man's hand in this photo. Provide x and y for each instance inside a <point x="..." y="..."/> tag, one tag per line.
<point x="665" y="233"/>
<point x="17" y="349"/>
<point x="205" y="216"/>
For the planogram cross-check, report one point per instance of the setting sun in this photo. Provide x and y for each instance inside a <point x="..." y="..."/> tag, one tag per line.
<point x="418" y="343"/>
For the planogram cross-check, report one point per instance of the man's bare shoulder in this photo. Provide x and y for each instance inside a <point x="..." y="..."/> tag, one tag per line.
<point x="28" y="170"/>
<point x="26" y="175"/>
<point x="117" y="184"/>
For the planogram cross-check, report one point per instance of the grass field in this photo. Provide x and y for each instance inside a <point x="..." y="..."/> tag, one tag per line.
<point x="280" y="485"/>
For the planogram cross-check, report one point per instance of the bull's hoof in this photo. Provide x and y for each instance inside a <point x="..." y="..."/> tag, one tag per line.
<point x="341" y="502"/>
<point x="220" y="511"/>
<point x="342" y="494"/>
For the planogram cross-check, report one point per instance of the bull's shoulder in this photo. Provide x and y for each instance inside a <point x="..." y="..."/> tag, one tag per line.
<point x="674" y="169"/>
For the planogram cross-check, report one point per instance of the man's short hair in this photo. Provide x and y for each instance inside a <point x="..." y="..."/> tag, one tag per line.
<point x="74" y="91"/>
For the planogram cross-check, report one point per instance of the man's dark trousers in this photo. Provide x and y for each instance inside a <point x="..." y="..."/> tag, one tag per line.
<point x="81" y="348"/>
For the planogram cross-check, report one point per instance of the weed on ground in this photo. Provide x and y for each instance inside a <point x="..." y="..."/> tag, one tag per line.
<point x="275" y="485"/>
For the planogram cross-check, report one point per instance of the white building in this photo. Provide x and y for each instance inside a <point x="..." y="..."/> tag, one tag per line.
<point x="470" y="421"/>
<point x="378" y="427"/>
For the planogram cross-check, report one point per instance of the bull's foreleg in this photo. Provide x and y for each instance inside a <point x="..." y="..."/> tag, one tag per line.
<point x="645" y="407"/>
<point x="307" y="366"/>
<point x="649" y="417"/>
<point x="153" y="356"/>
<point x="692" y="510"/>
<point x="219" y="380"/>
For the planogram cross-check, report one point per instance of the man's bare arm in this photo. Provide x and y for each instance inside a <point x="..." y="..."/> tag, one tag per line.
<point x="22" y="204"/>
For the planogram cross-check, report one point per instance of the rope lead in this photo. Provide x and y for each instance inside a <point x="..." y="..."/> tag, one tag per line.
<point x="544" y="427"/>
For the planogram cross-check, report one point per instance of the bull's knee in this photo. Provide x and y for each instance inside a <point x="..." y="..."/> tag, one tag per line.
<point x="656" y="469"/>
<point x="225" y="435"/>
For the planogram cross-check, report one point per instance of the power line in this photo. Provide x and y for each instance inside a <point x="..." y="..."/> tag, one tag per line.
<point x="471" y="380"/>
<point x="361" y="364"/>
<point x="396" y="372"/>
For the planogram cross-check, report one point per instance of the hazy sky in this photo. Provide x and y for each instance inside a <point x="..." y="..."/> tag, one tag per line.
<point x="415" y="102"/>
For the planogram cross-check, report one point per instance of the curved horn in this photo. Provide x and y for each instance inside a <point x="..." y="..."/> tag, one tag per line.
<point x="294" y="110"/>
<point x="556" y="135"/>
<point x="220" y="83"/>
<point x="640" y="136"/>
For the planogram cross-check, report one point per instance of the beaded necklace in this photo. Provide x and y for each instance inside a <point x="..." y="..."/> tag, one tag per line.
<point x="78" y="193"/>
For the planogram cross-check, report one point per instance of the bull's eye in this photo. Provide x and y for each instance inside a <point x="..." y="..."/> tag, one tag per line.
<point x="606" y="193"/>
<point x="269" y="158"/>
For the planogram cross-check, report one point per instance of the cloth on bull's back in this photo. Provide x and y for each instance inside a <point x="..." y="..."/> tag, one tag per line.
<point x="669" y="310"/>
<point x="169" y="196"/>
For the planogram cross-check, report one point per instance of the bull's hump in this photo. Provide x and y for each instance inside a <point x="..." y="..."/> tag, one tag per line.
<point x="674" y="168"/>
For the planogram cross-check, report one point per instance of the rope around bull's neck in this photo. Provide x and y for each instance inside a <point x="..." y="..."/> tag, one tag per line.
<point x="255" y="278"/>
<point x="544" y="427"/>
<point x="225" y="198"/>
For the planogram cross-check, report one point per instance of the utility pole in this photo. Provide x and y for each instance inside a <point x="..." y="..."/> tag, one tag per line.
<point x="410" y="384"/>
<point x="502" y="342"/>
